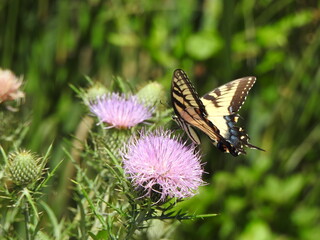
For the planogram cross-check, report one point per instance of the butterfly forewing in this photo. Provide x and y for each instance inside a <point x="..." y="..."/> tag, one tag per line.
<point x="183" y="94"/>
<point x="228" y="98"/>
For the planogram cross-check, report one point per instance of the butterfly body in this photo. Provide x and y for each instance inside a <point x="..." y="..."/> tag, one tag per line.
<point x="215" y="114"/>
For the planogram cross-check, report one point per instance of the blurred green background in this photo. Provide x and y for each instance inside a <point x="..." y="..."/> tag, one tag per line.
<point x="263" y="195"/>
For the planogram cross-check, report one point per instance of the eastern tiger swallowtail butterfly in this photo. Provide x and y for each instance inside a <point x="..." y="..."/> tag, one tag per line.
<point x="215" y="114"/>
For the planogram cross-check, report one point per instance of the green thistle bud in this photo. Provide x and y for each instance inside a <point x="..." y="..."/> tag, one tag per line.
<point x="151" y="94"/>
<point x="24" y="168"/>
<point x="115" y="140"/>
<point x="93" y="92"/>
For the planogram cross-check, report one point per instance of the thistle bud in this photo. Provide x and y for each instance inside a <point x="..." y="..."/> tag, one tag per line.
<point x="152" y="94"/>
<point x="115" y="139"/>
<point x="24" y="168"/>
<point x="92" y="93"/>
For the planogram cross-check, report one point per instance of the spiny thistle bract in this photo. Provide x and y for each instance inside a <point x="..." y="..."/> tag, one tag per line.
<point x="120" y="110"/>
<point x="24" y="167"/>
<point x="162" y="165"/>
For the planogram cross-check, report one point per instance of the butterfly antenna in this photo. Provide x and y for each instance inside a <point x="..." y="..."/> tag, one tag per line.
<point x="255" y="147"/>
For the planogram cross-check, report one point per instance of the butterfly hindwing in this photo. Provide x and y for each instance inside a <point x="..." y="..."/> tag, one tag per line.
<point x="215" y="114"/>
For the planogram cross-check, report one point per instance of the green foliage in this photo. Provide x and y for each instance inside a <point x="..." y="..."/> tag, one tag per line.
<point x="271" y="195"/>
<point x="210" y="44"/>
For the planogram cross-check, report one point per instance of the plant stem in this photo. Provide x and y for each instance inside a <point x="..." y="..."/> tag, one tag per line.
<point x="27" y="220"/>
<point x="138" y="220"/>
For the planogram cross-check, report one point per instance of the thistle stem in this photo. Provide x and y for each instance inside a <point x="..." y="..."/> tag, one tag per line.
<point x="27" y="220"/>
<point x="138" y="220"/>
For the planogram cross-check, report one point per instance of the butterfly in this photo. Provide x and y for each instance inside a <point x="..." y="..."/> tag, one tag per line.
<point x="214" y="114"/>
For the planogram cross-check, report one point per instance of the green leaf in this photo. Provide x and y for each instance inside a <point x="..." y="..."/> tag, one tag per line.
<point x="53" y="219"/>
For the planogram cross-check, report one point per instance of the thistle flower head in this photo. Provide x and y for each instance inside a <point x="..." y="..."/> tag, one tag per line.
<point x="160" y="163"/>
<point x="120" y="111"/>
<point x="9" y="86"/>
<point x="24" y="168"/>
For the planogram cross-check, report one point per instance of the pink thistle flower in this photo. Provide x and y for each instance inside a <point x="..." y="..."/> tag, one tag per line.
<point x="120" y="111"/>
<point x="161" y="164"/>
<point x="9" y="86"/>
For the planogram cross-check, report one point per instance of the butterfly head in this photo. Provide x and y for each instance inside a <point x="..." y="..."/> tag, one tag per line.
<point x="179" y="121"/>
<point x="176" y="119"/>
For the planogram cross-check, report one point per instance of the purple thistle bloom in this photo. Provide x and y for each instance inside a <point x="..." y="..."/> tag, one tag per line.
<point x="120" y="111"/>
<point x="161" y="163"/>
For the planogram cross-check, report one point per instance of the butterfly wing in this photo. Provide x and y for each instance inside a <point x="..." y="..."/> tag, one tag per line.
<point x="191" y="112"/>
<point x="222" y="105"/>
